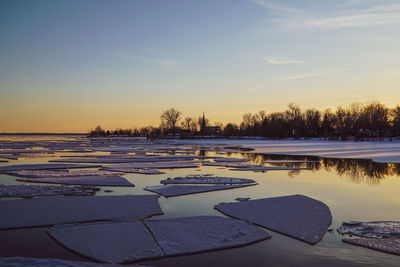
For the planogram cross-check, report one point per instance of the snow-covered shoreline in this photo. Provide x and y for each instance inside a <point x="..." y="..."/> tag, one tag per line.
<point x="379" y="151"/>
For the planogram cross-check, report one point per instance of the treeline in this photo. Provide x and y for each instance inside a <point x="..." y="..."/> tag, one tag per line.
<point x="150" y="131"/>
<point x="371" y="121"/>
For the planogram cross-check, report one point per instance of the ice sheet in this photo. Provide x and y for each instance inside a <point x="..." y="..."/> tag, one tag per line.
<point x="40" y="262"/>
<point x="387" y="245"/>
<point x="44" y="167"/>
<point x="206" y="180"/>
<point x="154" y="165"/>
<point x="28" y="191"/>
<point x="267" y="168"/>
<point x="122" y="242"/>
<point x="59" y="173"/>
<point x="289" y="161"/>
<point x="56" y="210"/>
<point x="134" y="170"/>
<point x="382" y="236"/>
<point x="230" y="164"/>
<point x="297" y="216"/>
<point x="230" y="160"/>
<point x="100" y="180"/>
<point x="178" y="190"/>
<point x="188" y="235"/>
<point x="116" y="242"/>
<point x="382" y="151"/>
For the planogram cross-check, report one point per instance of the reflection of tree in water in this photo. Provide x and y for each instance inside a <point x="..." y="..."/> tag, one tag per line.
<point x="357" y="170"/>
<point x="396" y="169"/>
<point x="202" y="153"/>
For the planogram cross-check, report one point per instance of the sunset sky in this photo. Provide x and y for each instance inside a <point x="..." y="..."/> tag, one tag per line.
<point x="67" y="66"/>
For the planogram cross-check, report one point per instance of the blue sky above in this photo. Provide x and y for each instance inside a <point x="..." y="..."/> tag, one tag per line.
<point x="70" y="65"/>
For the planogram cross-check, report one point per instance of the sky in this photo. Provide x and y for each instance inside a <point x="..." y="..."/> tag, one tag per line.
<point x="68" y="66"/>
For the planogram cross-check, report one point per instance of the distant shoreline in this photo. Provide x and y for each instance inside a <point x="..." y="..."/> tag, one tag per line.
<point x="43" y="134"/>
<point x="350" y="139"/>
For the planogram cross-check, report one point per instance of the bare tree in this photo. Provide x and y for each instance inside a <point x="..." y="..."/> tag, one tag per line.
<point x="328" y="123"/>
<point x="294" y="117"/>
<point x="189" y="124"/>
<point x="395" y="120"/>
<point x="170" y="118"/>
<point x="231" y="129"/>
<point x="376" y="119"/>
<point x="312" y="122"/>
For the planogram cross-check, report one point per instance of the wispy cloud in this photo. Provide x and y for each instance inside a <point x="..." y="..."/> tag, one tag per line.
<point x="356" y="2"/>
<point x="280" y="61"/>
<point x="372" y="37"/>
<point x="310" y="75"/>
<point x="387" y="74"/>
<point x="276" y="7"/>
<point x="358" y="20"/>
<point x="166" y="64"/>
<point x="354" y="14"/>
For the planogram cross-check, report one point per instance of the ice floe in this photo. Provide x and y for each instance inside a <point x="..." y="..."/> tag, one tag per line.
<point x="387" y="229"/>
<point x="26" y="151"/>
<point x="123" y="242"/>
<point x="230" y="160"/>
<point x="43" y="211"/>
<point x="290" y="161"/>
<point x="267" y="168"/>
<point x="206" y="180"/>
<point x="59" y="173"/>
<point x="112" y="159"/>
<point x="26" y="156"/>
<point x="242" y="198"/>
<point x="135" y="170"/>
<point x="154" y="165"/>
<point x="385" y="151"/>
<point x="173" y="190"/>
<point x="387" y="245"/>
<point x="381" y="236"/>
<point x="100" y="180"/>
<point x="229" y="164"/>
<point x="28" y="191"/>
<point x="118" y="160"/>
<point x="188" y="235"/>
<point x="297" y="216"/>
<point x="40" y="262"/>
<point x="117" y="242"/>
<point x="44" y="167"/>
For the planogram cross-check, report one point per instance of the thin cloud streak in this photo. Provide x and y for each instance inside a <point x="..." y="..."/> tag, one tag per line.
<point x="309" y="75"/>
<point x="276" y="7"/>
<point x="344" y="17"/>
<point x="359" y="20"/>
<point x="280" y="61"/>
<point x="387" y="74"/>
<point x="166" y="64"/>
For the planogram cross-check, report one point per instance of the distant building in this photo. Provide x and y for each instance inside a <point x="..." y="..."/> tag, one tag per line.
<point x="208" y="130"/>
<point x="212" y="129"/>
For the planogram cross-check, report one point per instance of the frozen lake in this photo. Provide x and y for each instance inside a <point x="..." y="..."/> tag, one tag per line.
<point x="353" y="189"/>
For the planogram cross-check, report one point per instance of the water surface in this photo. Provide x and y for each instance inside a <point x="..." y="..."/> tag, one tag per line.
<point x="353" y="190"/>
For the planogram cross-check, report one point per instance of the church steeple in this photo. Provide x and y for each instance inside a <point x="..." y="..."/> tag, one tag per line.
<point x="203" y="124"/>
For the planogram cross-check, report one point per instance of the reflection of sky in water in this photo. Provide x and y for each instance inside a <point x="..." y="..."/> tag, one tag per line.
<point x="353" y="189"/>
